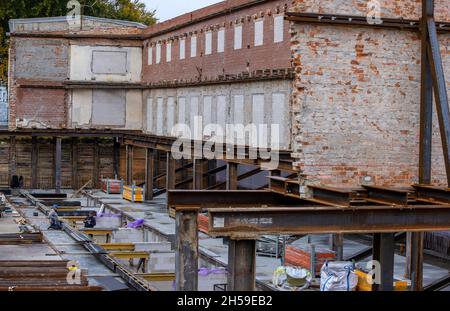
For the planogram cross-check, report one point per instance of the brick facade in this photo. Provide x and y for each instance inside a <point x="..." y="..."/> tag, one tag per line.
<point x="356" y="97"/>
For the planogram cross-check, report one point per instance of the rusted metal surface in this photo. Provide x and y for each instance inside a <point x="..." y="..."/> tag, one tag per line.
<point x="309" y="220"/>
<point x="434" y="195"/>
<point x="242" y="264"/>
<point x="186" y="258"/>
<point x="331" y="196"/>
<point x="385" y="195"/>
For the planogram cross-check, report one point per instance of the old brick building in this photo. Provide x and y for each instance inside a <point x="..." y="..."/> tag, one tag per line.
<point x="346" y="98"/>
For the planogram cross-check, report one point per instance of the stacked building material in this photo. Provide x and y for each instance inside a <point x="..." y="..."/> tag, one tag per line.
<point x="203" y="223"/>
<point x="112" y="186"/>
<point x="133" y="193"/>
<point x="301" y="257"/>
<point x="20" y="238"/>
<point x="43" y="276"/>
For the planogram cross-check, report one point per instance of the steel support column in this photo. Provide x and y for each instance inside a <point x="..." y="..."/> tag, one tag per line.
<point x="129" y="164"/>
<point x="34" y="162"/>
<point x="186" y="254"/>
<point x="242" y="264"/>
<point x="149" y="173"/>
<point x="416" y="261"/>
<point x="75" y="181"/>
<point x="383" y="252"/>
<point x="232" y="176"/>
<point x="337" y="245"/>
<point x="12" y="158"/>
<point x="58" y="152"/>
<point x="96" y="171"/>
<point x="170" y="172"/>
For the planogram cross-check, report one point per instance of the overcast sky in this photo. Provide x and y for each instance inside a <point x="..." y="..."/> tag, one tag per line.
<point x="166" y="9"/>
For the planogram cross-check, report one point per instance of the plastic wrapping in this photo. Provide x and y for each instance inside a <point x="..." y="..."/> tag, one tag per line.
<point x="338" y="276"/>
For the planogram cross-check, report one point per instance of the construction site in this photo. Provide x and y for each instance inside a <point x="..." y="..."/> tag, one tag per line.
<point x="250" y="145"/>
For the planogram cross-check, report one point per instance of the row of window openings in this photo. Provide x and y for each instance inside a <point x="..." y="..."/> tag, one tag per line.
<point x="258" y="41"/>
<point x="222" y="111"/>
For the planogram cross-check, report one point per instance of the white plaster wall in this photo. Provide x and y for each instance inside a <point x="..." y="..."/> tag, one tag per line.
<point x="82" y="107"/>
<point x="81" y="64"/>
<point x="229" y="103"/>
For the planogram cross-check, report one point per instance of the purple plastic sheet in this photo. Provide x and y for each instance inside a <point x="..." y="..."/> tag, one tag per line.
<point x="136" y="224"/>
<point x="206" y="271"/>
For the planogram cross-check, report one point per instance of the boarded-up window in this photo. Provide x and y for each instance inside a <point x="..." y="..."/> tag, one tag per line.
<point x="221" y="41"/>
<point x="108" y="107"/>
<point x="194" y="111"/>
<point x="170" y="114"/>
<point x="182" y="48"/>
<point x="258" y="109"/>
<point x="238" y="37"/>
<point x="259" y="32"/>
<point x="169" y="52"/>
<point x="207" y="110"/>
<point x="193" y="46"/>
<point x="149" y="114"/>
<point x="158" y="53"/>
<point x="278" y="116"/>
<point x="208" y="43"/>
<point x="238" y="109"/>
<point x="182" y="110"/>
<point x="159" y="116"/>
<point x="278" y="28"/>
<point x="150" y="55"/>
<point x="222" y="111"/>
<point x="109" y="62"/>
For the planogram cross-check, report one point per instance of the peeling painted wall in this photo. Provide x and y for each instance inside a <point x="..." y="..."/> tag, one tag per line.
<point x="105" y="108"/>
<point x="105" y="63"/>
<point x="221" y="104"/>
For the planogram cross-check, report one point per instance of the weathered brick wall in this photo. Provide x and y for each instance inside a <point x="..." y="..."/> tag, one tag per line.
<point x="356" y="97"/>
<point x="41" y="107"/>
<point x="249" y="58"/>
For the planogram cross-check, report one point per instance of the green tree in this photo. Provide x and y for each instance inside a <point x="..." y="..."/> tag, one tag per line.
<point x="132" y="10"/>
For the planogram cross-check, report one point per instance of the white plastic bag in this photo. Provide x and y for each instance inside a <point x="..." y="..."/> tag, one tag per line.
<point x="338" y="276"/>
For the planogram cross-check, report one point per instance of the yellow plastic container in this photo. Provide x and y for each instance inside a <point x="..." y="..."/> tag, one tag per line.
<point x="364" y="286"/>
<point x="133" y="193"/>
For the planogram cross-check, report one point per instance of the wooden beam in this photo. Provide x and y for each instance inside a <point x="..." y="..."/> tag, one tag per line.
<point x="149" y="173"/>
<point x="34" y="162"/>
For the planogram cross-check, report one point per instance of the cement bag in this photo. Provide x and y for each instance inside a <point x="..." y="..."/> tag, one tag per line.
<point x="338" y="276"/>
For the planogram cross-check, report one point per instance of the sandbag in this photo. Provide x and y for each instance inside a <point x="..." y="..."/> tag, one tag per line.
<point x="338" y="276"/>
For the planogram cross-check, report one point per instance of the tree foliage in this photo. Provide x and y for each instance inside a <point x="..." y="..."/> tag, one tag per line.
<point x="132" y="10"/>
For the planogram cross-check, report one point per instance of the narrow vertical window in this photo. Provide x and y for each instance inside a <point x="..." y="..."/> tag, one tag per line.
<point x="150" y="55"/>
<point x="208" y="43"/>
<point x="159" y="116"/>
<point x="149" y="114"/>
<point x="238" y="37"/>
<point x="193" y="46"/>
<point x="278" y="24"/>
<point x="207" y="110"/>
<point x="169" y="52"/>
<point x="182" y="110"/>
<point x="158" y="53"/>
<point x="222" y="111"/>
<point x="170" y="114"/>
<point x="221" y="40"/>
<point x="182" y="48"/>
<point x="259" y="32"/>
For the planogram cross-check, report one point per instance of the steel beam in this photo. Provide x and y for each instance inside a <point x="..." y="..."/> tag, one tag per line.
<point x="384" y="195"/>
<point x="440" y="91"/>
<point x="58" y="147"/>
<point x="384" y="252"/>
<point x="430" y="194"/>
<point x="297" y="221"/>
<point x="331" y="196"/>
<point x="186" y="255"/>
<point x="170" y="172"/>
<point x="231" y="198"/>
<point x="149" y="173"/>
<point x="416" y="261"/>
<point x="242" y="264"/>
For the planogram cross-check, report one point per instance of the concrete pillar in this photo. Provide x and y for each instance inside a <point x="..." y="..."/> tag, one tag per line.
<point x="58" y="154"/>
<point x="241" y="264"/>
<point x="186" y="252"/>
<point x="149" y="173"/>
